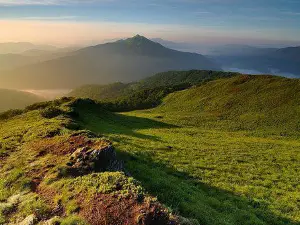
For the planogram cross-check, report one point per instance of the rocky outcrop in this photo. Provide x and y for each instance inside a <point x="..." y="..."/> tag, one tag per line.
<point x="97" y="157"/>
<point x="29" y="220"/>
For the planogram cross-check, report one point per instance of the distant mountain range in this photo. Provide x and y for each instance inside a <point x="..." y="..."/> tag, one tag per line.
<point x="14" y="55"/>
<point x="125" y="61"/>
<point x="283" y="61"/>
<point x="20" y="47"/>
<point x="246" y="58"/>
<point x="12" y="99"/>
<point x="29" y="66"/>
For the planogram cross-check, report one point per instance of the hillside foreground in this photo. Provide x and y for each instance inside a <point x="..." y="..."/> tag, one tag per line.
<point x="226" y="152"/>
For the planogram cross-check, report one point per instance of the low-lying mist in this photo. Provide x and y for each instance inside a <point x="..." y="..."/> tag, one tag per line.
<point x="49" y="94"/>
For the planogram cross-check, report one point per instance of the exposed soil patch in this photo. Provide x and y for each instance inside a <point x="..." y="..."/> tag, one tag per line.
<point x="61" y="146"/>
<point x="48" y="195"/>
<point x="107" y="209"/>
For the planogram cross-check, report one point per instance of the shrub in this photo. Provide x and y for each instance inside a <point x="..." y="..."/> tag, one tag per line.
<point x="39" y="105"/>
<point x="10" y="113"/>
<point x="33" y="204"/>
<point x="51" y="112"/>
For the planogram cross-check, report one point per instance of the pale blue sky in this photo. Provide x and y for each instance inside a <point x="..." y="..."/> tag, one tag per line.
<point x="256" y="21"/>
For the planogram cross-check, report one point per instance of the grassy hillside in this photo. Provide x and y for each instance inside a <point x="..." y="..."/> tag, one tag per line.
<point x="11" y="99"/>
<point x="173" y="78"/>
<point x="100" y="92"/>
<point x="222" y="153"/>
<point x="53" y="173"/>
<point x="146" y="93"/>
<point x="240" y="102"/>
<point x="212" y="153"/>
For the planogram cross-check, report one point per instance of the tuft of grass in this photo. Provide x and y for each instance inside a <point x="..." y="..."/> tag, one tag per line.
<point x="98" y="183"/>
<point x="72" y="220"/>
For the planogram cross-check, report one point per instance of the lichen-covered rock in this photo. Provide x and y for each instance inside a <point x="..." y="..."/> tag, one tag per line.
<point x="29" y="220"/>
<point x="52" y="221"/>
<point x="97" y="157"/>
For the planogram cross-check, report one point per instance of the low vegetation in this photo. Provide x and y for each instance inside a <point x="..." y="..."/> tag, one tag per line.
<point x="39" y="185"/>
<point x="222" y="152"/>
<point x="146" y="93"/>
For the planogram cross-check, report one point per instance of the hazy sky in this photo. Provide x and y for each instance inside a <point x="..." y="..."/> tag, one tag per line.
<point x="68" y="22"/>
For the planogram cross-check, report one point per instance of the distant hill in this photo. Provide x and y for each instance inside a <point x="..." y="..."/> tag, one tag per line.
<point x="240" y="50"/>
<point x="12" y="99"/>
<point x="19" y="47"/>
<point x="284" y="61"/>
<point x="122" y="61"/>
<point x="11" y="61"/>
<point x="148" y="92"/>
<point x="165" y="79"/>
<point x="101" y="92"/>
<point x="248" y="102"/>
<point x="173" y="78"/>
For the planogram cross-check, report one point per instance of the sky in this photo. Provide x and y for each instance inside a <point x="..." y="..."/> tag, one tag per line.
<point x="83" y="22"/>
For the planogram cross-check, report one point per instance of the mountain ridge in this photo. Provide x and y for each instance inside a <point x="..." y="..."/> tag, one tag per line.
<point x="122" y="61"/>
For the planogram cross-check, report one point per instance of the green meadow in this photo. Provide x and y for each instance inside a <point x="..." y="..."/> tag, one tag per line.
<point x="214" y="163"/>
<point x="215" y="176"/>
<point x="225" y="152"/>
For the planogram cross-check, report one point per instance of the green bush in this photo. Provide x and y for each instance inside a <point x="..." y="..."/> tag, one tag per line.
<point x="51" y="112"/>
<point x="10" y="114"/>
<point x="39" y="105"/>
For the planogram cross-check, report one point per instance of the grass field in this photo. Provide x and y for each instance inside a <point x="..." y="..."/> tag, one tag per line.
<point x="216" y="175"/>
<point x="224" y="153"/>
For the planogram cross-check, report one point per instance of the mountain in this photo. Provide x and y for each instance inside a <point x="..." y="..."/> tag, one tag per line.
<point x="240" y="50"/>
<point x="12" y="99"/>
<point x="11" y="61"/>
<point x="122" y="61"/>
<point x="19" y="47"/>
<point x="283" y="61"/>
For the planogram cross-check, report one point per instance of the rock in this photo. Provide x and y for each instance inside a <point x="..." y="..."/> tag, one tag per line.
<point x="52" y="221"/>
<point x="29" y="220"/>
<point x="97" y="157"/>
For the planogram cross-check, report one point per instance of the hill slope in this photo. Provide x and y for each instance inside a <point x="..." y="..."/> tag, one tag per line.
<point x="122" y="61"/>
<point x="53" y="174"/>
<point x="148" y="92"/>
<point x="195" y="152"/>
<point x="11" y="99"/>
<point x="251" y="101"/>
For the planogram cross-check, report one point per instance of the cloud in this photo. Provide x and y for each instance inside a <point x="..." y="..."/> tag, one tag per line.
<point x="49" y="18"/>
<point x="47" y="2"/>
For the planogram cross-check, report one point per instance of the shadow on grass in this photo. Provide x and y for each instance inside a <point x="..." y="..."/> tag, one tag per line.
<point x="113" y="123"/>
<point x="179" y="191"/>
<point x="193" y="199"/>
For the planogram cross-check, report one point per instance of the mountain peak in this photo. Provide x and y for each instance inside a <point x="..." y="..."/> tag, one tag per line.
<point x="139" y="37"/>
<point x="139" y="40"/>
